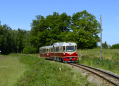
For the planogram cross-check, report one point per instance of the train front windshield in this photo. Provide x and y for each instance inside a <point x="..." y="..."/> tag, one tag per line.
<point x="70" y="49"/>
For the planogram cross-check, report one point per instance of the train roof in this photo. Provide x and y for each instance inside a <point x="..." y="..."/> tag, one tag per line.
<point x="60" y="44"/>
<point x="45" y="47"/>
<point x="64" y="43"/>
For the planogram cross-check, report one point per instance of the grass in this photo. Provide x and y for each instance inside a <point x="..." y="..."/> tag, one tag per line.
<point x="46" y="73"/>
<point x="109" y="62"/>
<point x="10" y="70"/>
<point x="29" y="70"/>
<point x="112" y="54"/>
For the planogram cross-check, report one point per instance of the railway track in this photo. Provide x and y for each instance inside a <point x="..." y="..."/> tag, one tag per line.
<point x="110" y="78"/>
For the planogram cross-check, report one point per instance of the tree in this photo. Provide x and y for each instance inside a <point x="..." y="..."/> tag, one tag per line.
<point x="53" y="26"/>
<point x="15" y="40"/>
<point x="105" y="45"/>
<point x="3" y="39"/>
<point x="85" y="27"/>
<point x="26" y="39"/>
<point x="12" y="41"/>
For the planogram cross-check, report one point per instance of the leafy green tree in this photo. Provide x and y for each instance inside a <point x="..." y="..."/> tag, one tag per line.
<point x="38" y="32"/>
<point x="85" y="27"/>
<point x="3" y="39"/>
<point x="12" y="41"/>
<point x="22" y="34"/>
<point x="15" y="40"/>
<point x="53" y="26"/>
<point x="26" y="39"/>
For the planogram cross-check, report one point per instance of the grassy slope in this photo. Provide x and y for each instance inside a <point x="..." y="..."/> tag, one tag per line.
<point x="45" y="73"/>
<point x="110" y="59"/>
<point x="10" y="70"/>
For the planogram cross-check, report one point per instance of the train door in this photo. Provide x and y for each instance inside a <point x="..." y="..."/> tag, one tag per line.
<point x="64" y="49"/>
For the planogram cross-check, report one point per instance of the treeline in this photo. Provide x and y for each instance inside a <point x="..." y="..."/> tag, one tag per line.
<point x="13" y="41"/>
<point x="115" y="46"/>
<point x="106" y="46"/>
<point x="82" y="28"/>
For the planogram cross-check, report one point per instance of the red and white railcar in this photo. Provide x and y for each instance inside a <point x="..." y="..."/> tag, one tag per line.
<point x="61" y="51"/>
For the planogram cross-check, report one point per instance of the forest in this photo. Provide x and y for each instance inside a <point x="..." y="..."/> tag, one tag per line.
<point x="81" y="28"/>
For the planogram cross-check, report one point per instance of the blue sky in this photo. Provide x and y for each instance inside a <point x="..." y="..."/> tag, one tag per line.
<point x="20" y="13"/>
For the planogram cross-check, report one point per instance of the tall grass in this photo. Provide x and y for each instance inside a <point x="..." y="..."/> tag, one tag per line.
<point x="10" y="70"/>
<point x="111" y="54"/>
<point x="45" y="73"/>
<point x="106" y="64"/>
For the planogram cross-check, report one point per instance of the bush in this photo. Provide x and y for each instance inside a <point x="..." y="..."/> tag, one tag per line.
<point x="29" y="50"/>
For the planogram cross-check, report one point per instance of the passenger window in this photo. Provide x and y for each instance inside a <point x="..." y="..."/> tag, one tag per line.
<point x="63" y="48"/>
<point x="51" y="49"/>
<point x="75" y="48"/>
<point x="60" y="49"/>
<point x="57" y="49"/>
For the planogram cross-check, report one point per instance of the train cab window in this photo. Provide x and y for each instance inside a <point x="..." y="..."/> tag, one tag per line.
<point x="63" y="48"/>
<point x="47" y="50"/>
<point x="70" y="49"/>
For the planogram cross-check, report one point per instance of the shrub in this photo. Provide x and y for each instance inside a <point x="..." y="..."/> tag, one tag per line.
<point x="29" y="50"/>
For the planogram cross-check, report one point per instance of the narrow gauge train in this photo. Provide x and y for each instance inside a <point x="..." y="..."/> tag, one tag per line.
<point x="60" y="51"/>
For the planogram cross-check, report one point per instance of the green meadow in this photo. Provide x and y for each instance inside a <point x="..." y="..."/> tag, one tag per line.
<point x="30" y="70"/>
<point x="10" y="70"/>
